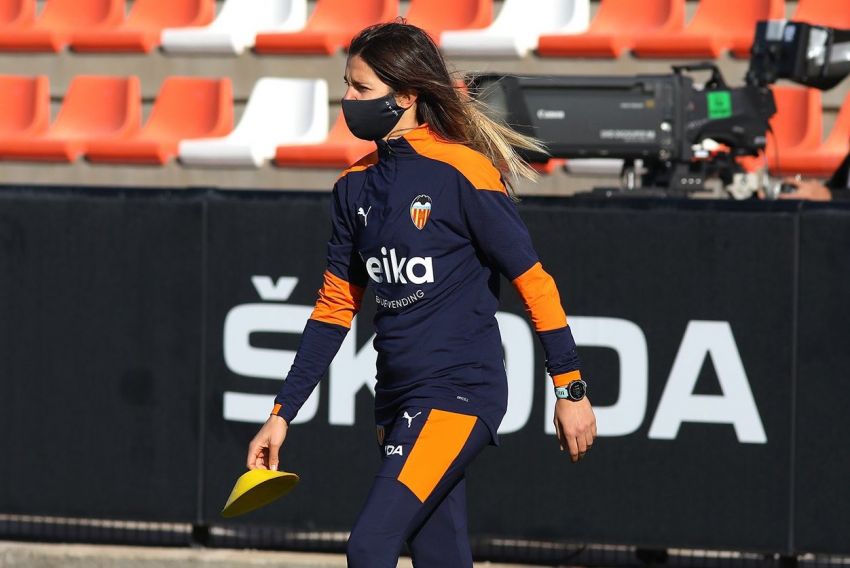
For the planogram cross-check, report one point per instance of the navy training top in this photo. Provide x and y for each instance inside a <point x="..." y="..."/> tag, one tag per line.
<point x="430" y="226"/>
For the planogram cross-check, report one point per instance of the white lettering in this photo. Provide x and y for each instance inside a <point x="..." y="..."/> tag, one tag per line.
<point x="269" y="291"/>
<point x="546" y="114"/>
<point x="390" y="450"/>
<point x="427" y="276"/>
<point x="386" y="266"/>
<point x="373" y="267"/>
<point x="353" y="369"/>
<point x="397" y="274"/>
<point x="518" y="343"/>
<point x="350" y="371"/>
<point x="245" y="360"/>
<point x="395" y="268"/>
<point x="735" y="406"/>
<point x="623" y="134"/>
<point x="401" y="302"/>
<point x="626" y="339"/>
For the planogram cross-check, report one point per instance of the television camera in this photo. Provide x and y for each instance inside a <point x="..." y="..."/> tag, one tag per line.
<point x="673" y="134"/>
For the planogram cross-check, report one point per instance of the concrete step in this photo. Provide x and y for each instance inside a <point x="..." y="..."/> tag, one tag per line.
<point x="40" y="555"/>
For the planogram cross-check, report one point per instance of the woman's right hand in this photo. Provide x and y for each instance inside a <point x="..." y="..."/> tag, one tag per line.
<point x="263" y="449"/>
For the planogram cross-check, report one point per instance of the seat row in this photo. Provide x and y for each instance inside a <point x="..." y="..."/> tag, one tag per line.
<point x="285" y="120"/>
<point x="559" y="28"/>
<point x="191" y="118"/>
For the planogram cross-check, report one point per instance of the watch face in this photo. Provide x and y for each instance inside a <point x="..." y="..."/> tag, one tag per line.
<point x="576" y="390"/>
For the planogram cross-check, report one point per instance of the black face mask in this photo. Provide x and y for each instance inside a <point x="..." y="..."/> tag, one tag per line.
<point x="371" y="119"/>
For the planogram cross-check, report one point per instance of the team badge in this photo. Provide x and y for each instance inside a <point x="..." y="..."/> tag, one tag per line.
<point x="420" y="209"/>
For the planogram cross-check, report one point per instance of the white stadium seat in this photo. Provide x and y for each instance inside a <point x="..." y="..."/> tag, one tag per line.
<point x="517" y="28"/>
<point x="279" y="111"/>
<point x="236" y="26"/>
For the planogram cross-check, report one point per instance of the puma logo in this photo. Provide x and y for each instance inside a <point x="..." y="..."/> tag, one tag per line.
<point x="364" y="213"/>
<point x="410" y="418"/>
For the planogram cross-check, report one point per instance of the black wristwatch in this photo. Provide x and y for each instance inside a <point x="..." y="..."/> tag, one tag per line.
<point x="575" y="390"/>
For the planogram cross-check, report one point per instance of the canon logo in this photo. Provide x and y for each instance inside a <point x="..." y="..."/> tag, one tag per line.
<point x="546" y="114"/>
<point x="395" y="270"/>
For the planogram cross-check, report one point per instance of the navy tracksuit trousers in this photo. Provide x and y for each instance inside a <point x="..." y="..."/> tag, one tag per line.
<point x="419" y="493"/>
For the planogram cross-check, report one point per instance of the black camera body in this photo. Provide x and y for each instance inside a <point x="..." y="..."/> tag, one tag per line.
<point x="664" y="120"/>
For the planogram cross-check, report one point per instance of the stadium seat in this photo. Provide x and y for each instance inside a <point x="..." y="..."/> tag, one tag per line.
<point x="142" y="30"/>
<point x="279" y="111"/>
<point x="52" y="30"/>
<point x="331" y="27"/>
<point x="16" y="13"/>
<point x="717" y="26"/>
<point x="546" y="168"/>
<point x="437" y="16"/>
<point x="185" y="108"/>
<point x="797" y="124"/>
<point x="339" y="150"/>
<point x="821" y="160"/>
<point x="833" y="13"/>
<point x="796" y="127"/>
<point x="24" y="105"/>
<point x="516" y="29"/>
<point x="236" y="26"/>
<point x="96" y="108"/>
<point x="798" y="116"/>
<point x="616" y="26"/>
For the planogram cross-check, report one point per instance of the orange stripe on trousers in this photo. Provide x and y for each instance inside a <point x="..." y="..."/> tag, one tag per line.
<point x="439" y="443"/>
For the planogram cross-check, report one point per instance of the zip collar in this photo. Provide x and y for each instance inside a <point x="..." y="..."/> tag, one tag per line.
<point x="402" y="146"/>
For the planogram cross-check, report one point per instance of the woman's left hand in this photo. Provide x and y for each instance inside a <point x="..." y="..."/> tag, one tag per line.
<point x="575" y="426"/>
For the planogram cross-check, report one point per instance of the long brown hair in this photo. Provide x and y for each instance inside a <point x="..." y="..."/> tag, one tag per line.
<point x="406" y="58"/>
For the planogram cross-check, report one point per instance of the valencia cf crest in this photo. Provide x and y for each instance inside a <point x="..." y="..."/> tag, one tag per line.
<point x="420" y="209"/>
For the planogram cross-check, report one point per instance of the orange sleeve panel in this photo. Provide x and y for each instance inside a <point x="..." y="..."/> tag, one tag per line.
<point x="540" y="295"/>
<point x="439" y="443"/>
<point x="473" y="165"/>
<point x="338" y="301"/>
<point x="564" y="379"/>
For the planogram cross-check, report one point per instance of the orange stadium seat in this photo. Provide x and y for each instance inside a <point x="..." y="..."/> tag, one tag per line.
<point x="339" y="150"/>
<point x="142" y="29"/>
<point x="546" y="168"/>
<point x="717" y="26"/>
<point x="331" y="27"/>
<point x="185" y="108"/>
<point x="96" y="108"/>
<point x="24" y="105"/>
<point x="16" y="13"/>
<point x="615" y="27"/>
<point x="821" y="160"/>
<point x="797" y="126"/>
<point x="437" y="16"/>
<point x="834" y="13"/>
<point x="52" y="30"/>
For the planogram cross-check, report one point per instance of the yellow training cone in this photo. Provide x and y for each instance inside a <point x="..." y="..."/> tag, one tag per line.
<point x="256" y="488"/>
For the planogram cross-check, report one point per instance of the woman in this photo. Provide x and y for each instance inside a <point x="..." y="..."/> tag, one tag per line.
<point x="428" y="221"/>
